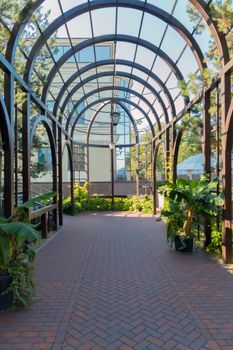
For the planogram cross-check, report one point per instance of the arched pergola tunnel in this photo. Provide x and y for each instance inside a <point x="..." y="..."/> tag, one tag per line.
<point x="148" y="98"/>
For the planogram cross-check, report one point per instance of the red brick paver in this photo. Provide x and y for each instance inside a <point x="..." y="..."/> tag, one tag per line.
<point x="109" y="282"/>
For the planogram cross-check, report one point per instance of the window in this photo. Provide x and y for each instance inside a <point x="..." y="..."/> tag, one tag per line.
<point x="79" y="158"/>
<point x="85" y="55"/>
<point x="102" y="52"/>
<point x="44" y="157"/>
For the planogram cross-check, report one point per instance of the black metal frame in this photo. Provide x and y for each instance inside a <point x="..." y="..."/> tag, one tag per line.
<point x="53" y="124"/>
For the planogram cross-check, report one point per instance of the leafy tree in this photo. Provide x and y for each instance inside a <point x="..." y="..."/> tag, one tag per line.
<point x="9" y="15"/>
<point x="222" y="13"/>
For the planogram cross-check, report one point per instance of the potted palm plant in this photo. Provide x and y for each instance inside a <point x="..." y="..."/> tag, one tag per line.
<point x="184" y="201"/>
<point x="16" y="255"/>
<point x="15" y="258"/>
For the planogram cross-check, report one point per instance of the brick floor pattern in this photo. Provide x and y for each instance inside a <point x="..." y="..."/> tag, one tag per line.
<point x="110" y="282"/>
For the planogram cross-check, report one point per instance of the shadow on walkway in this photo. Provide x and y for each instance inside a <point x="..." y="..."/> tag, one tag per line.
<point x="108" y="281"/>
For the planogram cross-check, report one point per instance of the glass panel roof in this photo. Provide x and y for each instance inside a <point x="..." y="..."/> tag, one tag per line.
<point x="130" y="42"/>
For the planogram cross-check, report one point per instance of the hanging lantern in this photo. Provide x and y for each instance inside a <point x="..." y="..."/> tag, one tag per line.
<point x="115" y="118"/>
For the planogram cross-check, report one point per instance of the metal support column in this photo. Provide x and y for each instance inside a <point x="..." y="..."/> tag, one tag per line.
<point x="112" y="166"/>
<point x="9" y="148"/>
<point x="26" y="148"/>
<point x="154" y="152"/>
<point x="60" y="179"/>
<point x="226" y="170"/>
<point x="207" y="155"/>
<point x="167" y="155"/>
<point x="72" y="179"/>
<point x="55" y="172"/>
<point x="137" y="169"/>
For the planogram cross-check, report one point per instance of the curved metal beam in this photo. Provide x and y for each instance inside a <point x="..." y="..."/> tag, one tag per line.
<point x="5" y="127"/>
<point x="228" y="129"/>
<point x="145" y="115"/>
<point x="176" y="148"/>
<point x="119" y="88"/>
<point x="109" y="73"/>
<point x="120" y="62"/>
<point x="41" y="119"/>
<point x="126" y="111"/>
<point x="124" y="74"/>
<point x="114" y="100"/>
<point x="100" y="4"/>
<point x="135" y="65"/>
<point x="219" y="37"/>
<point x="107" y="38"/>
<point x="18" y="28"/>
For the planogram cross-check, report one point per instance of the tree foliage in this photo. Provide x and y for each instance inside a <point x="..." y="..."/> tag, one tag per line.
<point x="9" y="14"/>
<point x="222" y="13"/>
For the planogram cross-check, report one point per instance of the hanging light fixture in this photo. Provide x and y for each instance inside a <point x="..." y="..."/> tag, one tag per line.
<point x="115" y="118"/>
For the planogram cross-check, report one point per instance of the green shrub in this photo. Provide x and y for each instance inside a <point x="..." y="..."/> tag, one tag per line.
<point x="82" y="202"/>
<point x="23" y="285"/>
<point x="99" y="204"/>
<point x="216" y="241"/>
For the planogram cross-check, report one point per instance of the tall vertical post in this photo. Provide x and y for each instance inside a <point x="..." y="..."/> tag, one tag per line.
<point x="26" y="148"/>
<point x="9" y="150"/>
<point x="137" y="169"/>
<point x="88" y="167"/>
<point x="112" y="166"/>
<point x="207" y="134"/>
<point x="72" y="178"/>
<point x="167" y="154"/>
<point x="60" y="179"/>
<point x="174" y="153"/>
<point x="217" y="145"/>
<point x="16" y="155"/>
<point x="226" y="170"/>
<point x="55" y="171"/>
<point x="154" y="156"/>
<point x="207" y="154"/>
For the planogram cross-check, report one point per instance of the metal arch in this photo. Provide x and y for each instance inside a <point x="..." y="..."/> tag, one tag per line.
<point x="8" y="146"/>
<point x="155" y="157"/>
<point x="227" y="144"/>
<point x="65" y="144"/>
<point x="119" y="73"/>
<point x="127" y="101"/>
<point x="176" y="148"/>
<point x="100" y="4"/>
<point x="229" y="124"/>
<point x="106" y="38"/>
<point x="114" y="100"/>
<point x="125" y="74"/>
<point x="229" y="129"/>
<point x="18" y="28"/>
<point x="219" y="37"/>
<point x="200" y="5"/>
<point x="41" y="119"/>
<point x="119" y="88"/>
<point x="126" y="111"/>
<point x="5" y="127"/>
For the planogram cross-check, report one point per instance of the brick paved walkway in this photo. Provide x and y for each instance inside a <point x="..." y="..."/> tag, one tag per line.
<point x="109" y="282"/>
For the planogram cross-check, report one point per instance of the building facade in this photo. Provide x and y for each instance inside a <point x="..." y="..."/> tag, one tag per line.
<point x="99" y="169"/>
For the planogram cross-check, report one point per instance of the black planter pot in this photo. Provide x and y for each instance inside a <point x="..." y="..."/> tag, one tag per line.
<point x="6" y="300"/>
<point x="183" y="244"/>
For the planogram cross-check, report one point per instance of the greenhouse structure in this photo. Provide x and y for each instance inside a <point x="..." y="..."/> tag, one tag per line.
<point x="104" y="104"/>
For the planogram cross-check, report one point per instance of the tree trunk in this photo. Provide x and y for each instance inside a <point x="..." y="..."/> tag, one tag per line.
<point x="188" y="222"/>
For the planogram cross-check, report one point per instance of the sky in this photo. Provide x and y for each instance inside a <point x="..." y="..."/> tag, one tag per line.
<point x="129" y="23"/>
